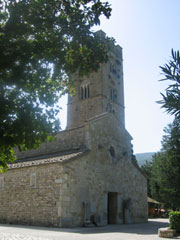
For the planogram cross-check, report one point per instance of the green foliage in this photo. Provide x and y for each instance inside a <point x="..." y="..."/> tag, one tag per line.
<point x="174" y="220"/>
<point x="165" y="173"/>
<point x="6" y="156"/>
<point x="42" y="43"/>
<point x="157" y="177"/>
<point x="171" y="99"/>
<point x="146" y="167"/>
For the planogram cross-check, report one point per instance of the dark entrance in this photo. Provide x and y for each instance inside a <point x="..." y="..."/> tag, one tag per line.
<point x="112" y="207"/>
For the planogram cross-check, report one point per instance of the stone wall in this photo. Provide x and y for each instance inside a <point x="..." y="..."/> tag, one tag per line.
<point x="90" y="182"/>
<point x="65" y="141"/>
<point x="92" y="178"/>
<point x="80" y="110"/>
<point x="25" y="200"/>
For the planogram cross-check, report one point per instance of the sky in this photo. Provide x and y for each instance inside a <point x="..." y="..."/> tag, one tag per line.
<point x="147" y="30"/>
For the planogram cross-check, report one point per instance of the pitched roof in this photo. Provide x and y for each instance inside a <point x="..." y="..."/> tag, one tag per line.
<point x="46" y="160"/>
<point x="150" y="200"/>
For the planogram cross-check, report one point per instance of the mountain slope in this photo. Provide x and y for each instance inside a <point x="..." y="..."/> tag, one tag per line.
<point x="143" y="157"/>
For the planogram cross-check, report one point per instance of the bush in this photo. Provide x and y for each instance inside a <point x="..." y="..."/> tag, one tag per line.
<point x="174" y="220"/>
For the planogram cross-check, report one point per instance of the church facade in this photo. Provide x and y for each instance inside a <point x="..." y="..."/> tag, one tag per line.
<point x="86" y="176"/>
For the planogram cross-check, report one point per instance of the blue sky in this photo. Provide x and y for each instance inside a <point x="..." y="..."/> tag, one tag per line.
<point x="147" y="30"/>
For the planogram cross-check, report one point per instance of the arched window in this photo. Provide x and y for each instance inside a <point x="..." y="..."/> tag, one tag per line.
<point x="113" y="95"/>
<point x="112" y="151"/>
<point x="84" y="91"/>
<point x="113" y="69"/>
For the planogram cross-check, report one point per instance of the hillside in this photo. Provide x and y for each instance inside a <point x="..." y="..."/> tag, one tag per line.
<point x="143" y="157"/>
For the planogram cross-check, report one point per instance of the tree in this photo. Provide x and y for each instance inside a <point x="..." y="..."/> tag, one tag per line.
<point x="171" y="71"/>
<point x="42" y="43"/>
<point x="165" y="173"/>
<point x="146" y="168"/>
<point x="156" y="176"/>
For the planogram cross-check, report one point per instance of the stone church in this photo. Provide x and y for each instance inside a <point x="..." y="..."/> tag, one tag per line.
<point x="86" y="177"/>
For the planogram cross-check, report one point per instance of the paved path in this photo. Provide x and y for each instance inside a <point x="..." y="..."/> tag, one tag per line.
<point x="145" y="231"/>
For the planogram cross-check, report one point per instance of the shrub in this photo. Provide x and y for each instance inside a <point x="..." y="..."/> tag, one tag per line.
<point x="174" y="220"/>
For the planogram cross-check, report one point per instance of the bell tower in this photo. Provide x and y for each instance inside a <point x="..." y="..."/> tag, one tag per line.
<point x="100" y="92"/>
